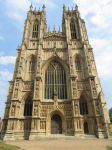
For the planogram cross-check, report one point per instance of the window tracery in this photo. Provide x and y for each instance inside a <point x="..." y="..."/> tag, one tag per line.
<point x="83" y="106"/>
<point x="35" y="30"/>
<point x="77" y="64"/>
<point x="28" y="107"/>
<point x="73" y="30"/>
<point x="55" y="79"/>
<point x="32" y="64"/>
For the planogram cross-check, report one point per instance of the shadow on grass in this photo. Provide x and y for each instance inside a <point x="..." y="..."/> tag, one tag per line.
<point x="4" y="146"/>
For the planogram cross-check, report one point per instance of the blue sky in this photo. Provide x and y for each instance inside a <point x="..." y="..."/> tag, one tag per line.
<point x="97" y="15"/>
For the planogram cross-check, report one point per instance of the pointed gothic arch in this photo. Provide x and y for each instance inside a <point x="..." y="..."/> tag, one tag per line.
<point x="55" y="79"/>
<point x="35" y="29"/>
<point x="73" y="30"/>
<point x="83" y="105"/>
<point x="28" y="106"/>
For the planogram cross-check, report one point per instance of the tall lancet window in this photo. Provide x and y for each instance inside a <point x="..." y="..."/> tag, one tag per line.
<point x="32" y="64"/>
<point x="77" y="64"/>
<point x="73" y="30"/>
<point x="35" y="31"/>
<point x="28" y="107"/>
<point x="83" y="106"/>
<point x="55" y="79"/>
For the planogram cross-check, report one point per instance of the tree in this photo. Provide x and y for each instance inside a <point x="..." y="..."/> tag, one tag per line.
<point x="110" y="114"/>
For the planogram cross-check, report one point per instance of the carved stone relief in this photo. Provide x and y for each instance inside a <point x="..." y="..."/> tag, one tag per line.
<point x="28" y="86"/>
<point x="37" y="93"/>
<point x="94" y="92"/>
<point x="76" y="107"/>
<point x="74" y="93"/>
<point x="69" y="124"/>
<point x="43" y="113"/>
<point x="82" y="85"/>
<point x="42" y="125"/>
<point x="97" y="108"/>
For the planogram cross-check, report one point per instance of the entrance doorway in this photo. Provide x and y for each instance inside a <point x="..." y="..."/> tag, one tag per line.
<point x="86" y="128"/>
<point x="56" y="124"/>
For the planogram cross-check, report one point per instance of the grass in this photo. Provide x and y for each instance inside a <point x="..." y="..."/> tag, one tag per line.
<point x="109" y="147"/>
<point x="4" y="146"/>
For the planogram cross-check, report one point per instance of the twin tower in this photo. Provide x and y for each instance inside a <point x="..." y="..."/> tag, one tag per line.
<point x="55" y="87"/>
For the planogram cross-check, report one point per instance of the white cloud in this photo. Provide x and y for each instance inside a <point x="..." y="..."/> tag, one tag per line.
<point x="5" y="75"/>
<point x="17" y="9"/>
<point x="4" y="60"/>
<point x="98" y="17"/>
<point x="1" y="38"/>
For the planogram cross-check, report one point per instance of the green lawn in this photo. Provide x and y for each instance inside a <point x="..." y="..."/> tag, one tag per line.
<point x="109" y="147"/>
<point x="4" y="146"/>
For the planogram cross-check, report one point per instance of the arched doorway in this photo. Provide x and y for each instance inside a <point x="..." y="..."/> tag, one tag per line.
<point x="56" y="124"/>
<point x="86" y="128"/>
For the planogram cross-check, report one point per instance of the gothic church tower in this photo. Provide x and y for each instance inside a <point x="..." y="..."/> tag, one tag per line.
<point x="55" y="87"/>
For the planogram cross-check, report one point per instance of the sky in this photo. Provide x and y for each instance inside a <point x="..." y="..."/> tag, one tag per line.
<point x="97" y="15"/>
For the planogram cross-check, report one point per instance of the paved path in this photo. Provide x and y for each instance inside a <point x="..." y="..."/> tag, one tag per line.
<point x="63" y="144"/>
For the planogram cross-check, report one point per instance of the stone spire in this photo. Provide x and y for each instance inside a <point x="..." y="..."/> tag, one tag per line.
<point x="76" y="7"/>
<point x="43" y="7"/>
<point x="49" y="29"/>
<point x="35" y="9"/>
<point x="64" y="8"/>
<point x="59" y="28"/>
<point x="39" y="9"/>
<point x="31" y="7"/>
<point x="54" y="28"/>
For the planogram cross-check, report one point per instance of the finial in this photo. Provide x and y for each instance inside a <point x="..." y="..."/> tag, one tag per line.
<point x="72" y="8"/>
<point x="64" y="8"/>
<point x="54" y="28"/>
<point x="43" y="7"/>
<point x="35" y="9"/>
<point x="31" y="7"/>
<point x="68" y="8"/>
<point x="76" y="7"/>
<point x="39" y="9"/>
<point x="49" y="29"/>
<point x="59" y="28"/>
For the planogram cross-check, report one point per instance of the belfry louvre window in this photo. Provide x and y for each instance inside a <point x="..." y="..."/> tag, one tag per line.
<point x="83" y="106"/>
<point x="28" y="107"/>
<point x="32" y="64"/>
<point x="55" y="79"/>
<point x="73" y="31"/>
<point x="77" y="64"/>
<point x="35" y="31"/>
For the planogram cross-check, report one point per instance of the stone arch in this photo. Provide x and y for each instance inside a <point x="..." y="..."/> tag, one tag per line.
<point x="58" y="59"/>
<point x="23" y="99"/>
<point x="30" y="74"/>
<point x="87" y="97"/>
<point x="30" y="56"/>
<point x="64" y="65"/>
<point x="48" y="121"/>
<point x="80" y="58"/>
<point x="79" y="72"/>
<point x="90" y="125"/>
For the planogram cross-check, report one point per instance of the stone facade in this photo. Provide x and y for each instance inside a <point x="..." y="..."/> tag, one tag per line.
<point x="83" y="110"/>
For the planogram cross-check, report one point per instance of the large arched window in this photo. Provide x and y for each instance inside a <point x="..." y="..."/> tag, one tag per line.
<point x="28" y="107"/>
<point x="32" y="64"/>
<point x="83" y="106"/>
<point x="73" y="30"/>
<point x="77" y="64"/>
<point x="55" y="79"/>
<point x="35" y="31"/>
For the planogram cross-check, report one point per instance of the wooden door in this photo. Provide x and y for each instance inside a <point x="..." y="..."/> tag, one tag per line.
<point x="56" y="125"/>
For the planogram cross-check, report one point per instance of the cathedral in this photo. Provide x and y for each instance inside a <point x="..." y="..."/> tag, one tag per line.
<point x="55" y="88"/>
